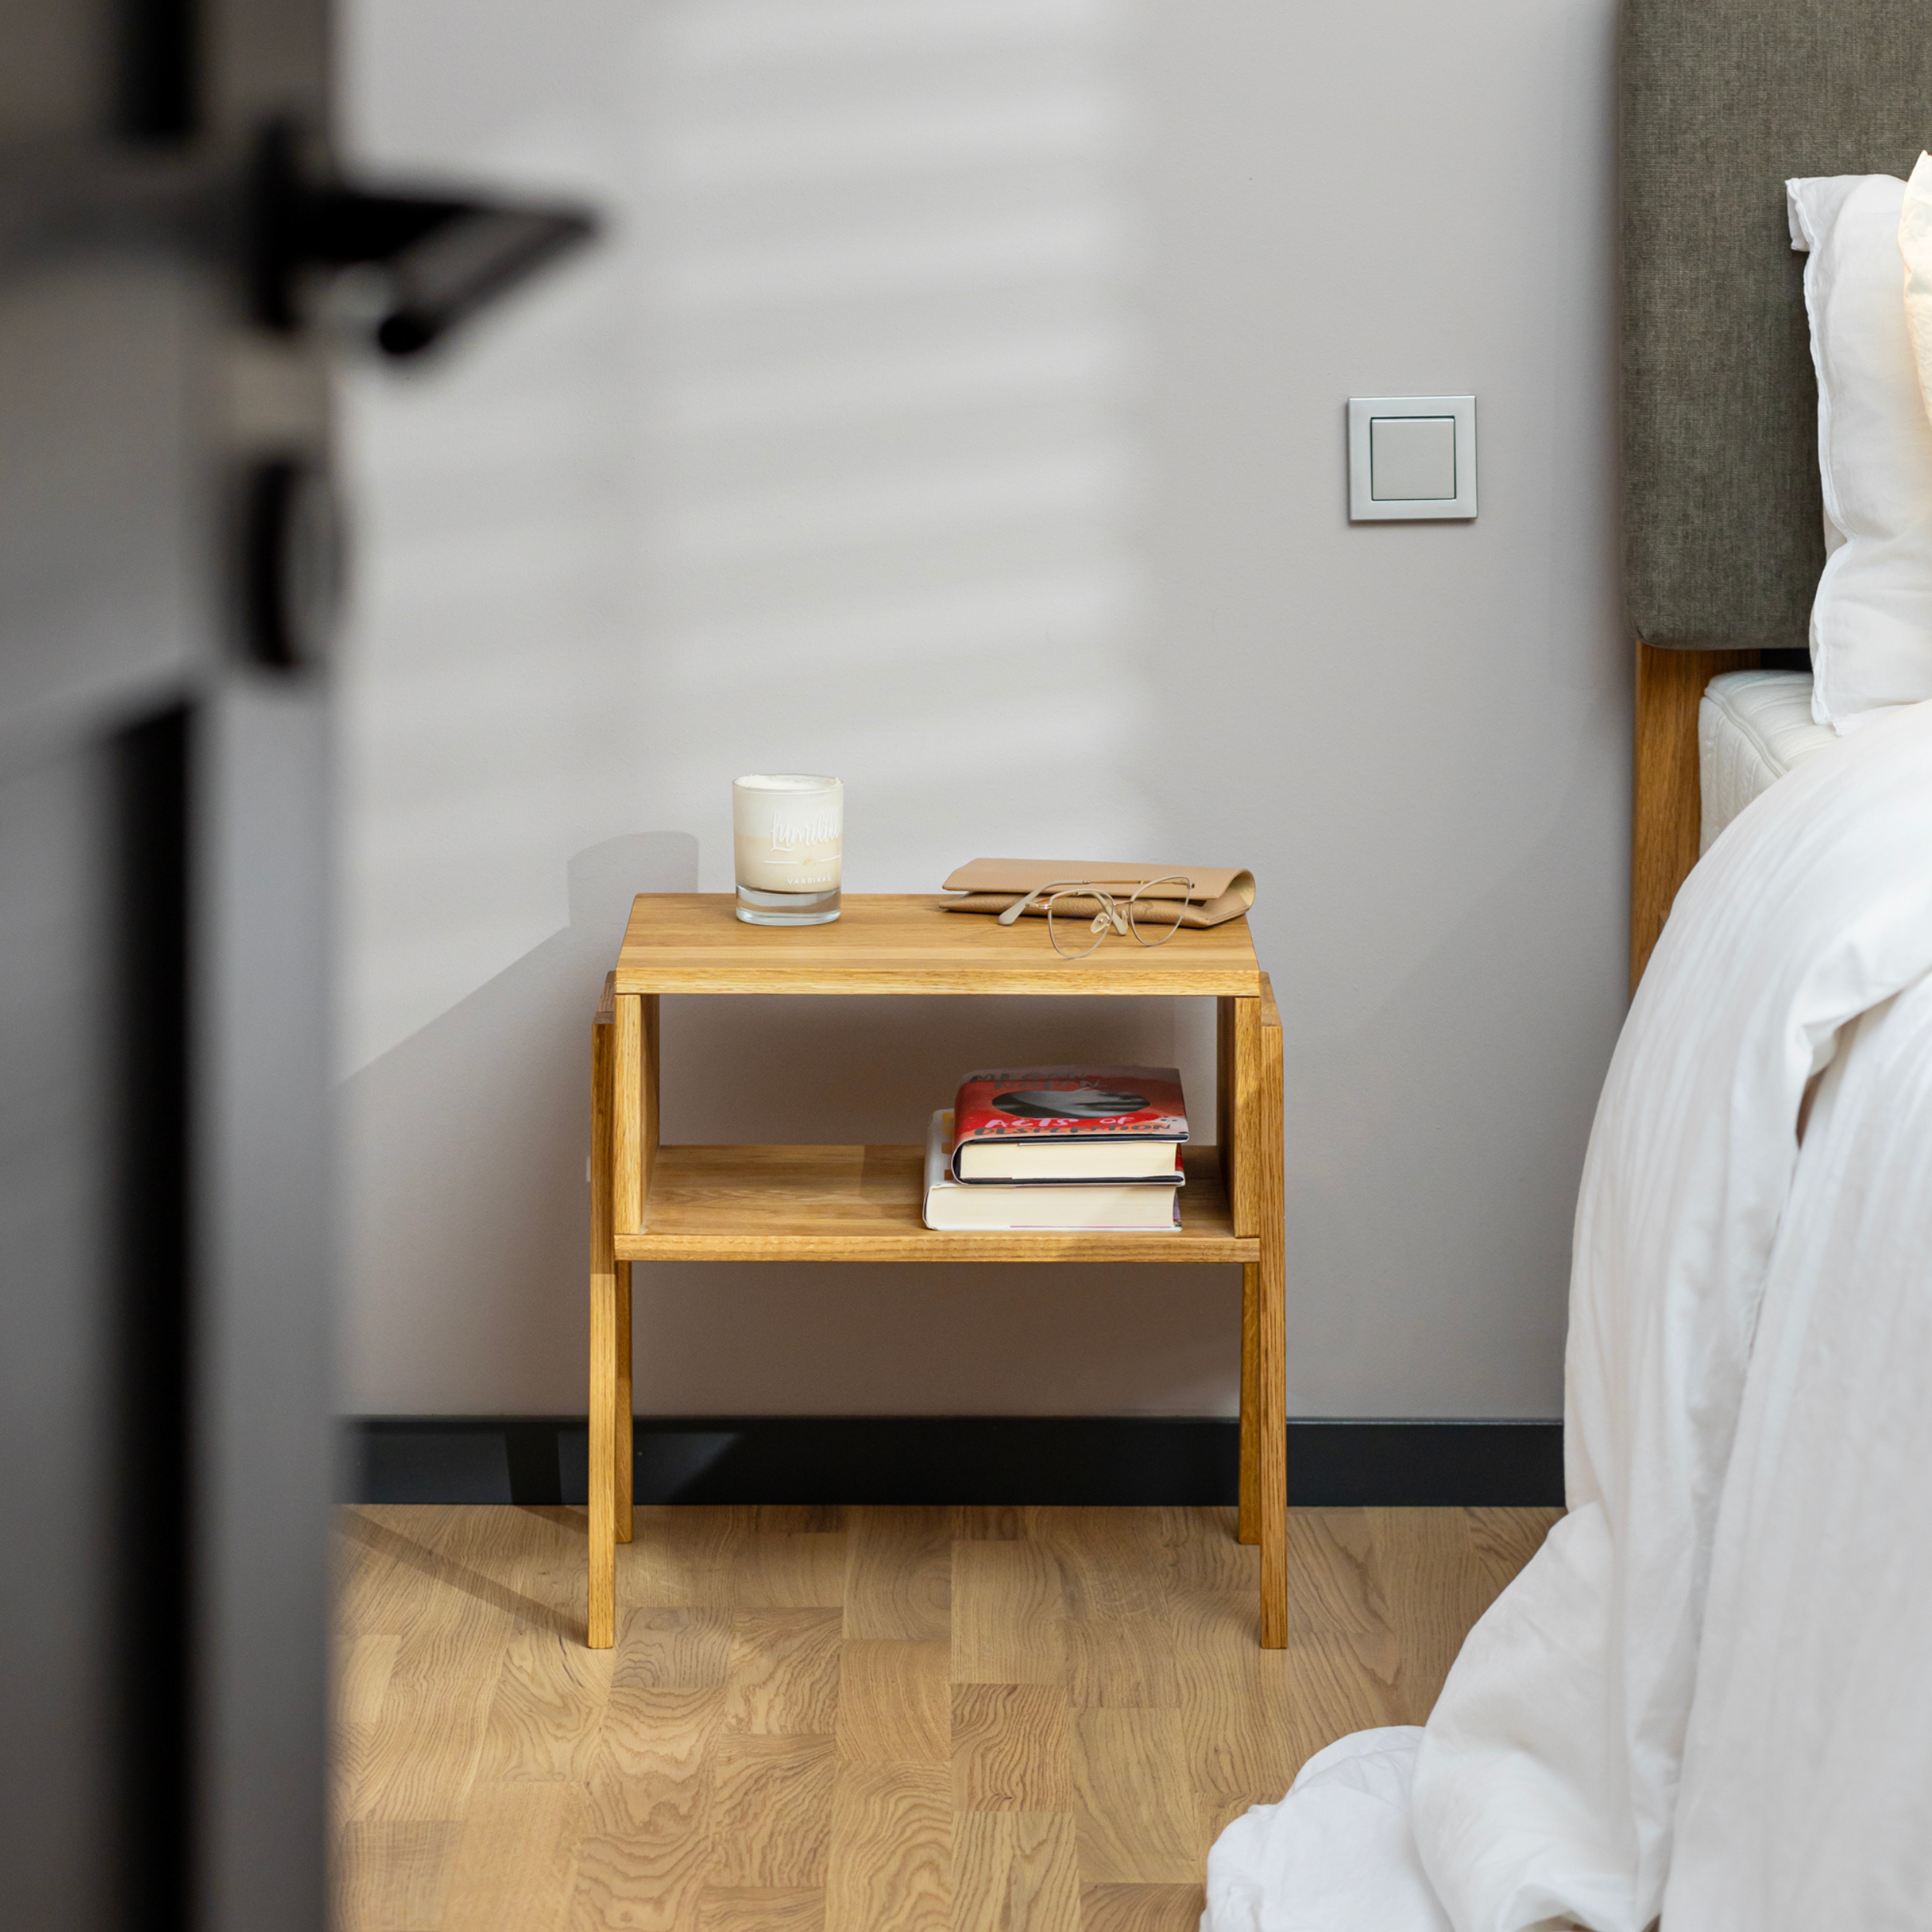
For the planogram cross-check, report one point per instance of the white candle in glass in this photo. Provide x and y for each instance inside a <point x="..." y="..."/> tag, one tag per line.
<point x="787" y="837"/>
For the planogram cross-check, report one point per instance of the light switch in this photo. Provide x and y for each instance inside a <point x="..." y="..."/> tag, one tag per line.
<point x="1411" y="457"/>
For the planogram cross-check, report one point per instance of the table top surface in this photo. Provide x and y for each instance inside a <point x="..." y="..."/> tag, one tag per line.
<point x="908" y="943"/>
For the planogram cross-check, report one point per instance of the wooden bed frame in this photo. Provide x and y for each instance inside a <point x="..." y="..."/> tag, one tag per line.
<point x="1666" y="803"/>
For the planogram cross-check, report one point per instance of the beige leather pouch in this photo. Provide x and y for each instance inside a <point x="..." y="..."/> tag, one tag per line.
<point x="1218" y="893"/>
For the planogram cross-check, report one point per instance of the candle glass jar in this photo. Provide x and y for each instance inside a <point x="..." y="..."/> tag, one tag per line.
<point x="787" y="839"/>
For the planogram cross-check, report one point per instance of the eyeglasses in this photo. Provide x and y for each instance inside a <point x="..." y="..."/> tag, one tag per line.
<point x="1080" y="912"/>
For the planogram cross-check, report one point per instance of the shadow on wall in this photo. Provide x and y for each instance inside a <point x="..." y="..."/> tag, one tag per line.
<point x="465" y="1149"/>
<point x="893" y="379"/>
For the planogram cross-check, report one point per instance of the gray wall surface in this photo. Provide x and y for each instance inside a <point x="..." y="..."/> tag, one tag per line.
<point x="956" y="405"/>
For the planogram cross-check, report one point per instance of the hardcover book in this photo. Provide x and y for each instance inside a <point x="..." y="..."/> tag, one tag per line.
<point x="953" y="1206"/>
<point x="1048" y="1124"/>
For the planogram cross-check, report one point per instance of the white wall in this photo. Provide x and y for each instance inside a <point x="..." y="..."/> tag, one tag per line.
<point x="956" y="405"/>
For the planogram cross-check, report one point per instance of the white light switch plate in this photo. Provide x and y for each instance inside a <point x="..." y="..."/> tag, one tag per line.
<point x="1411" y="457"/>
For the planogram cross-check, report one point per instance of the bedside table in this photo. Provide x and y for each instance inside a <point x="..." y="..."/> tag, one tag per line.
<point x="651" y="1202"/>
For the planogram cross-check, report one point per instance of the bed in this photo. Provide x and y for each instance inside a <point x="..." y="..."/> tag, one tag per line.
<point x="1754" y="728"/>
<point x="1708" y="1696"/>
<point x="1720" y="101"/>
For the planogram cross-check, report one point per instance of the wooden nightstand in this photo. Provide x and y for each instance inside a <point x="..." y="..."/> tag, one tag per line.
<point x="651" y="1202"/>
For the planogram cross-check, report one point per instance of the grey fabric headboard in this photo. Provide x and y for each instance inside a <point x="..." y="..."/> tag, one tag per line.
<point x="1721" y="99"/>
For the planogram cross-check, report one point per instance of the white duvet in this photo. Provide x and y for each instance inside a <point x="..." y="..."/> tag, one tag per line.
<point x="1710" y="1692"/>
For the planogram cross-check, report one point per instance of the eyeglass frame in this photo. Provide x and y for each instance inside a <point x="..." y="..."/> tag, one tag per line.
<point x="1110" y="914"/>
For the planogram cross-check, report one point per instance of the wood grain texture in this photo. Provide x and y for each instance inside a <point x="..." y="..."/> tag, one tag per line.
<point x="1438" y="1588"/>
<point x="771" y="1811"/>
<point x="395" y="1877"/>
<point x="813" y="1203"/>
<point x="1224" y="1088"/>
<point x="1254" y="1055"/>
<point x="1080" y="1704"/>
<point x="1227" y="1138"/>
<point x="443" y="1681"/>
<point x="1112" y="1562"/>
<point x="547" y="1712"/>
<point x="361" y="1686"/>
<point x="1666" y="805"/>
<point x="1007" y="1611"/>
<point x="674" y="1649"/>
<point x="600" y="1582"/>
<point x="1138" y="1819"/>
<point x="892" y="1849"/>
<point x="682" y="1557"/>
<point x="789" y="1570"/>
<point x="1240" y="1076"/>
<point x="1264" y="1305"/>
<point x="761" y="1909"/>
<point x="1142" y="1908"/>
<point x="649" y="1102"/>
<point x="647" y="1848"/>
<point x="653" y="1733"/>
<point x="627" y="1115"/>
<point x="1010" y="1748"/>
<point x="1503" y="1539"/>
<point x="893" y="1703"/>
<point x="892" y="943"/>
<point x="623" y="1451"/>
<point x="642" y="1860"/>
<point x="1121" y="1660"/>
<point x="784" y="1671"/>
<point x="899" y="1574"/>
<point x="1249" y="1717"/>
<point x="601" y="1613"/>
<point x="1245" y="1123"/>
<point x="1015" y="1872"/>
<point x="516" y="1858"/>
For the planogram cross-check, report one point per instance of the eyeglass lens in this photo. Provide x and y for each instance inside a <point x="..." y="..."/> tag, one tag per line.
<point x="1076" y="922"/>
<point x="1154" y="919"/>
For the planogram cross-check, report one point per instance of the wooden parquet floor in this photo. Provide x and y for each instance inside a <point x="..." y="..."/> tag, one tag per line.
<point x="857" y="1719"/>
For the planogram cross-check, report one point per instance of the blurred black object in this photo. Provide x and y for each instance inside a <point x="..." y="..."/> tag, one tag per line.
<point x="435" y="260"/>
<point x="173" y="239"/>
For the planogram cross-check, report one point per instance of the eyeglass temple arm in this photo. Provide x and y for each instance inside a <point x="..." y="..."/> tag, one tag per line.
<point x="1019" y="906"/>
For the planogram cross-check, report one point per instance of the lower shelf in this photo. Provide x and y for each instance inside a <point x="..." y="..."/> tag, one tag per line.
<point x="862" y="1204"/>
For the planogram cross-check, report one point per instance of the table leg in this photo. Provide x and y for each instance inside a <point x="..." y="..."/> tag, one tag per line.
<point x="1228" y="1030"/>
<point x="1248" y="1524"/>
<point x="1271" y="1336"/>
<point x="1251" y="1074"/>
<point x="1271" y="1499"/>
<point x="601" y="1617"/>
<point x="633" y="1107"/>
<point x="622" y="1461"/>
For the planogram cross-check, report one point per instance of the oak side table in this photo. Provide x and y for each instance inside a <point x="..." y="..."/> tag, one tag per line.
<point x="651" y="1202"/>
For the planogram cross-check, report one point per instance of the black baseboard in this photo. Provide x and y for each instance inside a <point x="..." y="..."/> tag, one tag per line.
<point x="1124" y="1460"/>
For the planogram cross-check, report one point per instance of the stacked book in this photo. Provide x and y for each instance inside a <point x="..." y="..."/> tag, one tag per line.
<point x="1093" y="1149"/>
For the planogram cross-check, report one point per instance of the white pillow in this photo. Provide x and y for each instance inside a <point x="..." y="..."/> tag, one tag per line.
<point x="1872" y="619"/>
<point x="1915" y="244"/>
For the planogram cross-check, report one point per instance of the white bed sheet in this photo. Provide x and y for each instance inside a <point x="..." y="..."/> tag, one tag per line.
<point x="1753" y="726"/>
<point x="1807" y="1761"/>
<point x="1549" y="1784"/>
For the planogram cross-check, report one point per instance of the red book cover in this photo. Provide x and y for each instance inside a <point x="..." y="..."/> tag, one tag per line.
<point x="1085" y="1104"/>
